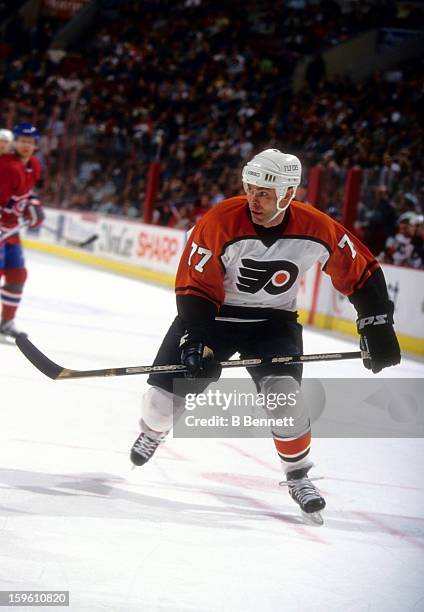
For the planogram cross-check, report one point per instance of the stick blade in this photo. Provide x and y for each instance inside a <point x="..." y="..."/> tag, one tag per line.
<point x="88" y="241"/>
<point x="37" y="358"/>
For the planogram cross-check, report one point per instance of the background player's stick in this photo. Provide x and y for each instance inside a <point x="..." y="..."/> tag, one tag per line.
<point x="4" y="235"/>
<point x="55" y="371"/>
<point x="69" y="241"/>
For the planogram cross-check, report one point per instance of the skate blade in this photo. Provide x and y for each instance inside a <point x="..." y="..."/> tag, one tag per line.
<point x="313" y="518"/>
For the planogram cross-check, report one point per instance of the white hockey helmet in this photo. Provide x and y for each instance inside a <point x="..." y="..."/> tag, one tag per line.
<point x="6" y="135"/>
<point x="274" y="170"/>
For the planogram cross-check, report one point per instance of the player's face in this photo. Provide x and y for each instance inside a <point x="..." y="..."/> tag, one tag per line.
<point x="5" y="147"/>
<point x="25" y="146"/>
<point x="262" y="203"/>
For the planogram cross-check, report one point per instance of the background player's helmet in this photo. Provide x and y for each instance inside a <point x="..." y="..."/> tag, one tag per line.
<point x="275" y="170"/>
<point x="411" y="218"/>
<point x="26" y="129"/>
<point x="6" y="135"/>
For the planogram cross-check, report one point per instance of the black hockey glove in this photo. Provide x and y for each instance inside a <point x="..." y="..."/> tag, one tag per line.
<point x="378" y="340"/>
<point x="199" y="359"/>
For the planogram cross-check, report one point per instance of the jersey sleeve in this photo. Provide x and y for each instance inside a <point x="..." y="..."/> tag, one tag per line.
<point x="200" y="271"/>
<point x="350" y="263"/>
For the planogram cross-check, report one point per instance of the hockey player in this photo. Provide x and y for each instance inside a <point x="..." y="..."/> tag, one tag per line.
<point x="236" y="289"/>
<point x="6" y="139"/>
<point x="19" y="173"/>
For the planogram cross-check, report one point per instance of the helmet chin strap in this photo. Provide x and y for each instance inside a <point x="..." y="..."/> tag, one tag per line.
<point x="281" y="210"/>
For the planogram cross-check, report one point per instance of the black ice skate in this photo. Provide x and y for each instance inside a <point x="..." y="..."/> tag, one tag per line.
<point x="146" y="444"/>
<point x="8" y="329"/>
<point x="306" y="495"/>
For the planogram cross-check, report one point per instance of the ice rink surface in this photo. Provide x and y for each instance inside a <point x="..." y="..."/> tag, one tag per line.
<point x="204" y="526"/>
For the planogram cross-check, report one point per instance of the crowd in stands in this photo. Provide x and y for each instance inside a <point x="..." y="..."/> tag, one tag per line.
<point x="7" y="8"/>
<point x="203" y="84"/>
<point x="374" y="125"/>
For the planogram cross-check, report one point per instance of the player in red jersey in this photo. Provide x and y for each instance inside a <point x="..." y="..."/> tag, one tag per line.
<point x="236" y="289"/>
<point x="19" y="173"/>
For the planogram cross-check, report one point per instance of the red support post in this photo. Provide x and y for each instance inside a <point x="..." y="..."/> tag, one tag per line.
<point x="351" y="197"/>
<point x="151" y="191"/>
<point x="314" y="180"/>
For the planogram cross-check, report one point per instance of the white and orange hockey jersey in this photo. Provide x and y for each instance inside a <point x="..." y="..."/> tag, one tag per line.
<point x="249" y="272"/>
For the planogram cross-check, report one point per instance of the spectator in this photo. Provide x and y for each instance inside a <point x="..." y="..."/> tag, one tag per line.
<point x="405" y="248"/>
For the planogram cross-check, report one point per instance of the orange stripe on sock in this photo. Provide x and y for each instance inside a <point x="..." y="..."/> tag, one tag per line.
<point x="293" y="447"/>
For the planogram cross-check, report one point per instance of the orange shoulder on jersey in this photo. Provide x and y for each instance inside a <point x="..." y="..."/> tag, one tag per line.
<point x="200" y="271"/>
<point x="350" y="263"/>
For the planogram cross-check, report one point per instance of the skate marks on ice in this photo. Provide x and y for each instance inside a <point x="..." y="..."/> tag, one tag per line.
<point x="407" y="528"/>
<point x="403" y="527"/>
<point x="240" y="502"/>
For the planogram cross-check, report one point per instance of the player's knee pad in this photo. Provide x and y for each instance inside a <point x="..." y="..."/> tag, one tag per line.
<point x="157" y="408"/>
<point x="285" y="401"/>
<point x="15" y="277"/>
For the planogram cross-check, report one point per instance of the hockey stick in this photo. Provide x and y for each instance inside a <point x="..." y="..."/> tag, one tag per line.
<point x="55" y="371"/>
<point x="69" y="241"/>
<point x="84" y="243"/>
<point x="15" y="230"/>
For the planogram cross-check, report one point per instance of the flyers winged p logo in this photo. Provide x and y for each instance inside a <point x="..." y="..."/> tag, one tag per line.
<point x="274" y="277"/>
